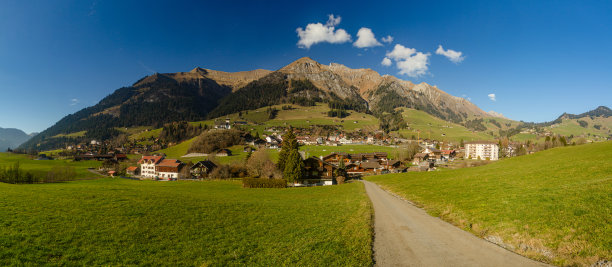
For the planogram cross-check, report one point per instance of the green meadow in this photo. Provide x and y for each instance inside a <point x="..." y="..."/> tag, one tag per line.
<point x="554" y="206"/>
<point x="41" y="167"/>
<point x="214" y="223"/>
<point x="316" y="151"/>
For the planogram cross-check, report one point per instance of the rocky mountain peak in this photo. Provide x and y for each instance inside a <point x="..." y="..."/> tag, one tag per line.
<point x="303" y="65"/>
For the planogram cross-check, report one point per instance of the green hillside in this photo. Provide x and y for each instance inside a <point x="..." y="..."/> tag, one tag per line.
<point x="116" y="222"/>
<point x="554" y="205"/>
<point x="435" y="128"/>
<point x="572" y="127"/>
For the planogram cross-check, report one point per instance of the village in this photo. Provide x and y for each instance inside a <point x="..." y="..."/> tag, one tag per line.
<point x="423" y="155"/>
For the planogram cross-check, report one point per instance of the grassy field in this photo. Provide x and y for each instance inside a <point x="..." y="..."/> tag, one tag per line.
<point x="122" y="222"/>
<point x="554" y="206"/>
<point x="435" y="128"/>
<point x="317" y="151"/>
<point x="41" y="167"/>
<point x="76" y="134"/>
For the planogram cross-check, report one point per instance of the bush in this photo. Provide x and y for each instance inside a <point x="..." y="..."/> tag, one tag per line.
<point x="340" y="179"/>
<point x="263" y="183"/>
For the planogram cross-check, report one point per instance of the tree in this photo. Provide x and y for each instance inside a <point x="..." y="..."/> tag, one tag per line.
<point x="294" y="167"/>
<point x="289" y="143"/>
<point x="258" y="165"/>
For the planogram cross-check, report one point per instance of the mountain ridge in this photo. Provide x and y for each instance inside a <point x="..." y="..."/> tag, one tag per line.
<point x="12" y="138"/>
<point x="204" y="93"/>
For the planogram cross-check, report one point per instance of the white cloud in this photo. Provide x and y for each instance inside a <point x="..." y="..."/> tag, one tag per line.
<point x="315" y="33"/>
<point x="452" y="55"/>
<point x="386" y="62"/>
<point x="401" y="52"/>
<point x="492" y="97"/>
<point x="409" y="61"/>
<point x="332" y="20"/>
<point x="388" y="39"/>
<point x="365" y="38"/>
<point x="74" y="101"/>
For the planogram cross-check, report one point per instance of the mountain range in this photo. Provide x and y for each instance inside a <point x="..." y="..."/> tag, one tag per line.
<point x="12" y="138"/>
<point x="204" y="93"/>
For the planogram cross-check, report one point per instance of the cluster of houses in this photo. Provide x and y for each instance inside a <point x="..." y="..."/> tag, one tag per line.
<point x="324" y="168"/>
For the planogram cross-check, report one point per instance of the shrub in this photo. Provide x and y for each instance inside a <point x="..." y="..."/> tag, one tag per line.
<point x="340" y="179"/>
<point x="263" y="183"/>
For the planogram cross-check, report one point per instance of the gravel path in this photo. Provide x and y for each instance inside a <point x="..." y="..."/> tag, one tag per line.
<point x="407" y="236"/>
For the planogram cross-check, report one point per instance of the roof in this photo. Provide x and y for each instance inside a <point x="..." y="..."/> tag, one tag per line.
<point x="131" y="168"/>
<point x="169" y="163"/>
<point x="447" y="152"/>
<point x="421" y="155"/>
<point x="122" y="156"/>
<point x="370" y="165"/>
<point x="155" y="159"/>
<point x="205" y="163"/>
<point x="482" y="142"/>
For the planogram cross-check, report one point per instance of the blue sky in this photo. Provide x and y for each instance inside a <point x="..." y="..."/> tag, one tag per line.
<point x="539" y="58"/>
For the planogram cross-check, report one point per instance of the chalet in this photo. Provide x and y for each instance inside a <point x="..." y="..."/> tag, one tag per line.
<point x="420" y="157"/>
<point x="371" y="167"/>
<point x="318" y="171"/>
<point x="223" y="125"/>
<point x="133" y="170"/>
<point x="202" y="168"/>
<point x="121" y="157"/>
<point x="168" y="169"/>
<point x="272" y="142"/>
<point x="448" y="154"/>
<point x="335" y="157"/>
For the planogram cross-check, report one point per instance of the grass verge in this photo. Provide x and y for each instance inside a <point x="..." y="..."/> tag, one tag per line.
<point x="554" y="206"/>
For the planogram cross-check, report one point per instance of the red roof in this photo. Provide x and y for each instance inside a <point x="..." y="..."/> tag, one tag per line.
<point x="447" y="152"/>
<point x="132" y="168"/>
<point x="155" y="159"/>
<point x="169" y="163"/>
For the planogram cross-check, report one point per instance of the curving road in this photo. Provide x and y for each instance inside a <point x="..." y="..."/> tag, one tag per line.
<point x="407" y="236"/>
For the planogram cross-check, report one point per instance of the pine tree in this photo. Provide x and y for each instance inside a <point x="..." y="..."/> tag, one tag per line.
<point x="294" y="167"/>
<point x="289" y="143"/>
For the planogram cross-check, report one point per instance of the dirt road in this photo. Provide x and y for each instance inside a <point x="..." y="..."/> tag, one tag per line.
<point x="407" y="236"/>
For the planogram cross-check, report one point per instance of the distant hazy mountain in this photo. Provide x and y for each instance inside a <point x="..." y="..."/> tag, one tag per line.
<point x="12" y="138"/>
<point x="204" y="93"/>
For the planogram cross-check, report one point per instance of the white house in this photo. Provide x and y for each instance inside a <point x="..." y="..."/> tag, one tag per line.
<point x="147" y="165"/>
<point x="159" y="167"/>
<point x="482" y="149"/>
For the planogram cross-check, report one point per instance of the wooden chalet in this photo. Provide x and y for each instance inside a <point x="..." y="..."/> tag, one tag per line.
<point x="318" y="171"/>
<point x="202" y="168"/>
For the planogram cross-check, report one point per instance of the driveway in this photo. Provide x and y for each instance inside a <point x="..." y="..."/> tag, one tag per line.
<point x="407" y="236"/>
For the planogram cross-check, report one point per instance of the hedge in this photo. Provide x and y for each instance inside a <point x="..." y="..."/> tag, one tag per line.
<point x="263" y="183"/>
